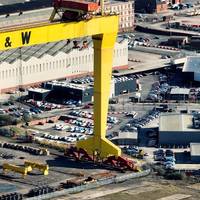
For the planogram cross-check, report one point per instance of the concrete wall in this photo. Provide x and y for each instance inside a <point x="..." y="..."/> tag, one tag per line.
<point x="61" y="65"/>
<point x="178" y="138"/>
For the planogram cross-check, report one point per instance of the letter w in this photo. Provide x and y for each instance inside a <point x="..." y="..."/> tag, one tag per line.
<point x="26" y="37"/>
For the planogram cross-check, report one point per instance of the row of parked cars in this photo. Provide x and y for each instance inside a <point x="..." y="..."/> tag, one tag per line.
<point x="89" y="115"/>
<point x="20" y="111"/>
<point x="84" y="80"/>
<point x="80" y="122"/>
<point x="140" y="122"/>
<point x="43" y="105"/>
<point x="72" y="103"/>
<point x="68" y="139"/>
<point x="180" y="6"/>
<point x="31" y="150"/>
<point x="83" y="114"/>
<point x="159" y="89"/>
<point x="72" y="129"/>
<point x="165" y="157"/>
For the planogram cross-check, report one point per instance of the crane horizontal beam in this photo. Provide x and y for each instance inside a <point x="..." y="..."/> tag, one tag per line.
<point x="103" y="30"/>
<point x="51" y="32"/>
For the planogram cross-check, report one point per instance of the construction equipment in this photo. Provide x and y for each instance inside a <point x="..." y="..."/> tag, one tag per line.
<point x="44" y="168"/>
<point x="78" y="154"/>
<point x="74" y="10"/>
<point x="103" y="30"/>
<point x="14" y="168"/>
<point x="121" y="163"/>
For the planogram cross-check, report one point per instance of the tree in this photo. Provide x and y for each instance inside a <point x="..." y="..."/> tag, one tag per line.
<point x="6" y="120"/>
<point x="26" y="118"/>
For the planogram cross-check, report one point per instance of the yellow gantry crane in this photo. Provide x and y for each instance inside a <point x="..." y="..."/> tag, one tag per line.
<point x="103" y="30"/>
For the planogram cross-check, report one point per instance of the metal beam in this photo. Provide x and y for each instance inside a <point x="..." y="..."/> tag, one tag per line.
<point x="104" y="32"/>
<point x="34" y="34"/>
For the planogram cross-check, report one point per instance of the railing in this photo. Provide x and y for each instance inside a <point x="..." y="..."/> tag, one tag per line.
<point x="88" y="186"/>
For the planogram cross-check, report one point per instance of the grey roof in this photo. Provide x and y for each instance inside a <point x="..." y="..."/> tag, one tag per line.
<point x="195" y="149"/>
<point x="176" y="122"/>
<point x="8" y="2"/>
<point x="183" y="91"/>
<point x="39" y="90"/>
<point x="126" y="135"/>
<point x="192" y="64"/>
<point x="38" y="51"/>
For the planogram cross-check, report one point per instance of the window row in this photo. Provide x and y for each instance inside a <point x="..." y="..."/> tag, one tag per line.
<point x="59" y="64"/>
<point x="120" y="52"/>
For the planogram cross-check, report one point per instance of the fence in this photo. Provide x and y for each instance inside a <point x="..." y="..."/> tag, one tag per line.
<point x="99" y="183"/>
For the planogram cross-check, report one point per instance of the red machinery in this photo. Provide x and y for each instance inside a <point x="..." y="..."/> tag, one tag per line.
<point x="74" y="10"/>
<point x="78" y="154"/>
<point x="119" y="163"/>
<point x="76" y="5"/>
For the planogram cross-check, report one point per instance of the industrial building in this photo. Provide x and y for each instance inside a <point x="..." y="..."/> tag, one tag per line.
<point x="10" y="6"/>
<point x="178" y="94"/>
<point x="177" y="41"/>
<point x="191" y="68"/>
<point x="126" y="138"/>
<point x="40" y="63"/>
<point x="65" y="90"/>
<point x="40" y="10"/>
<point x="195" y="152"/>
<point x="178" y="129"/>
<point x="150" y="6"/>
<point x="195" y="42"/>
<point x="126" y="13"/>
<point x="38" y="93"/>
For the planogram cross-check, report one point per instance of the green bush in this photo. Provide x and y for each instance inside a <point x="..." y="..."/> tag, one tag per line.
<point x="6" y="120"/>
<point x="174" y="176"/>
<point x="17" y="131"/>
<point x="26" y="118"/>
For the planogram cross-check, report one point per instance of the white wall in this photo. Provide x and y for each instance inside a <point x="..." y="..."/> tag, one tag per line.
<point x="53" y="67"/>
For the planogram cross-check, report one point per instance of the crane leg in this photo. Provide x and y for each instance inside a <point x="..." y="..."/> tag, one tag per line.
<point x="103" y="60"/>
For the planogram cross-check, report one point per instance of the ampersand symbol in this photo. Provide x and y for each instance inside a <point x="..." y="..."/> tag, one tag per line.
<point x="8" y="43"/>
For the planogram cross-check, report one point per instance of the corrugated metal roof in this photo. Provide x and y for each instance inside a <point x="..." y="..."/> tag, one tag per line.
<point x="192" y="64"/>
<point x="38" y="51"/>
<point x="183" y="91"/>
<point x="176" y="122"/>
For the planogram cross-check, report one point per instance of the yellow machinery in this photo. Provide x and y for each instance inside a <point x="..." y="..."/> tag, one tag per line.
<point x="14" y="168"/>
<point x="103" y="30"/>
<point x="44" y="151"/>
<point x="44" y="168"/>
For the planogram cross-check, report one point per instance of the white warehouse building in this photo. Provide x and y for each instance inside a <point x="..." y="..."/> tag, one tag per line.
<point x="40" y="63"/>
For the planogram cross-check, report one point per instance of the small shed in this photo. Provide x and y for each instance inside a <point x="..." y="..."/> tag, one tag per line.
<point x="179" y="94"/>
<point x="126" y="138"/>
<point x="38" y="93"/>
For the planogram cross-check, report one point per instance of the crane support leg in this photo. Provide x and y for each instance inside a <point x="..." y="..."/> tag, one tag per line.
<point x="98" y="144"/>
<point x="103" y="30"/>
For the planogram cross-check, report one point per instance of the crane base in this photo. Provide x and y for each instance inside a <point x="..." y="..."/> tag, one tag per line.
<point x="99" y="147"/>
